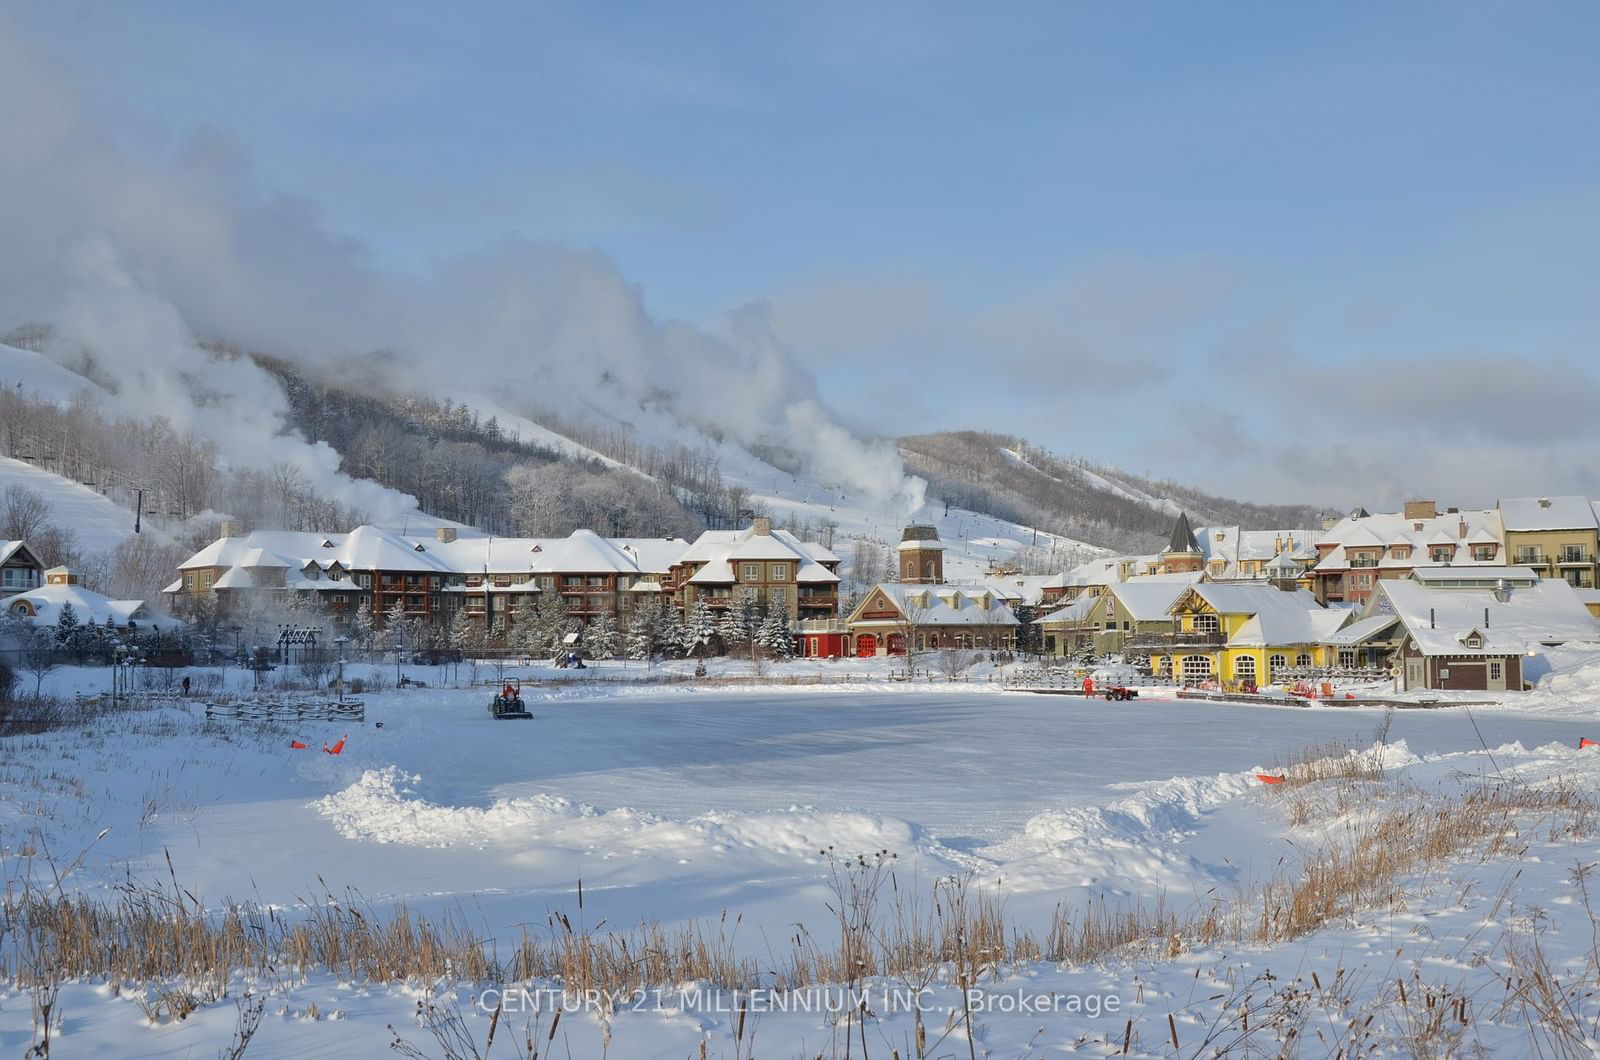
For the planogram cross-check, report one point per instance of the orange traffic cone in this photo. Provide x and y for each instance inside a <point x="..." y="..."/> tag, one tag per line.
<point x="1268" y="778"/>
<point x="1586" y="742"/>
<point x="298" y="746"/>
<point x="337" y="748"/>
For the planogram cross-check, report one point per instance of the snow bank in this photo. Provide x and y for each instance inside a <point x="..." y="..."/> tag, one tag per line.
<point x="383" y="806"/>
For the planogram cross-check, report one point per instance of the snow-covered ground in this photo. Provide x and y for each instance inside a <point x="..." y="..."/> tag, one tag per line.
<point x="677" y="803"/>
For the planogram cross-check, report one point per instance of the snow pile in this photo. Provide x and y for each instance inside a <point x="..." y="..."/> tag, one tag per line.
<point x="384" y="807"/>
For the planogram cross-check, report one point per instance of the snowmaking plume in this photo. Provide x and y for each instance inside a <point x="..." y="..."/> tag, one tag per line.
<point x="130" y="244"/>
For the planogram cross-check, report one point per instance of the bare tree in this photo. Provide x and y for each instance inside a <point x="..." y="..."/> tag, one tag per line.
<point x="24" y="513"/>
<point x="954" y="662"/>
<point x="39" y="657"/>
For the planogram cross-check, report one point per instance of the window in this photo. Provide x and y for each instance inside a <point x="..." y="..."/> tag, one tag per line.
<point x="597" y="603"/>
<point x="780" y="572"/>
<point x="778" y="597"/>
<point x="1474" y="641"/>
<point x="205" y="579"/>
<point x="1303" y="659"/>
<point x="752" y="572"/>
<point x="1483" y="553"/>
<point x="1363" y="581"/>
<point x="1276" y="663"/>
<point x="571" y="581"/>
<point x="340" y="598"/>
<point x="1442" y="553"/>
<point x="364" y="580"/>
<point x="1196" y="667"/>
<point x="597" y="580"/>
<point x="1206" y="624"/>
<point x="547" y="582"/>
<point x="1347" y="657"/>
<point x="1401" y="552"/>
<point x="1496" y="670"/>
<point x="1244" y="668"/>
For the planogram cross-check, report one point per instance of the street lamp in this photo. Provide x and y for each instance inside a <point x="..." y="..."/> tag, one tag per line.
<point x="236" y="631"/>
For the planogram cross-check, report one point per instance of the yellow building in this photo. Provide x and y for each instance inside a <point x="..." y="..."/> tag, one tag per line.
<point x="1240" y="634"/>
<point x="1559" y="537"/>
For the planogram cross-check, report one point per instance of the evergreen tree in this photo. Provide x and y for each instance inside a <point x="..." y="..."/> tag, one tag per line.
<point x="641" y="631"/>
<point x="461" y="630"/>
<point x="748" y="612"/>
<point x="670" y="633"/>
<point x="67" y="628"/>
<point x="774" y="636"/>
<point x="600" y="638"/>
<point x="699" y="630"/>
<point x="731" y="631"/>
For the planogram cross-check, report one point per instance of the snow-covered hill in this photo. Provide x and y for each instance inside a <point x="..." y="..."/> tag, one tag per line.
<point x="37" y="376"/>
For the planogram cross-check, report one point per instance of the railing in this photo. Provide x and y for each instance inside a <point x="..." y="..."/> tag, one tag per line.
<point x="829" y="600"/>
<point x="1176" y="640"/>
<point x="1363" y="563"/>
<point x="1575" y="557"/>
<point x="1532" y="559"/>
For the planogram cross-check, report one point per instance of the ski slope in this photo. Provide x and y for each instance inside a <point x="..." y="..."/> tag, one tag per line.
<point x="98" y="523"/>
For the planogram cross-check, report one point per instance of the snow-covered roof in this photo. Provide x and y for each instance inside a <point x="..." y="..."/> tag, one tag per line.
<point x="944" y="604"/>
<point x="1441" y="620"/>
<point x="369" y="548"/>
<point x="1481" y="577"/>
<point x="89" y="606"/>
<point x="1232" y="546"/>
<point x="1547" y="513"/>
<point x="1149" y="597"/>
<point x="1073" y="613"/>
<point x="732" y="546"/>
<point x="1276" y="616"/>
<point x="1361" y="630"/>
<point x="9" y="549"/>
<point x="716" y="572"/>
<point x="1393" y="530"/>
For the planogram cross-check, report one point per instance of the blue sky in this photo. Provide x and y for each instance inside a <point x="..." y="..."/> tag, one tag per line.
<point x="1054" y="219"/>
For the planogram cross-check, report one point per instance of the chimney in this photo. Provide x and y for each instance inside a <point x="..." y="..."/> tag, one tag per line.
<point x="1421" y="509"/>
<point x="225" y="529"/>
<point x="445" y="534"/>
<point x="762" y="526"/>
<point x="1430" y="619"/>
<point x="1544" y="502"/>
<point x="1502" y="591"/>
<point x="1462" y="530"/>
<point x="1486" y="618"/>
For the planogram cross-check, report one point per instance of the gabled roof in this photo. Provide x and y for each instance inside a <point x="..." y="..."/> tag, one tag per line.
<point x="1073" y="613"/>
<point x="1440" y="619"/>
<point x="735" y="546"/>
<point x="1150" y="597"/>
<point x="948" y="605"/>
<point x="18" y="550"/>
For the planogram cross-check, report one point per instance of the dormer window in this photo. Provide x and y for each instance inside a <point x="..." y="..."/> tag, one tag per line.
<point x="1474" y="641"/>
<point x="418" y="547"/>
<point x="326" y="543"/>
<point x="536" y="548"/>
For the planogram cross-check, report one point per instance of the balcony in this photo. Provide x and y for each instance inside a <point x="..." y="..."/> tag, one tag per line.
<point x="1575" y="557"/>
<point x="1170" y="641"/>
<point x="1363" y="562"/>
<point x="819" y="600"/>
<point x="1532" y="559"/>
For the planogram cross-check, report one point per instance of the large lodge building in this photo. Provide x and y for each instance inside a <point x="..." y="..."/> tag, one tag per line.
<point x="431" y="578"/>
